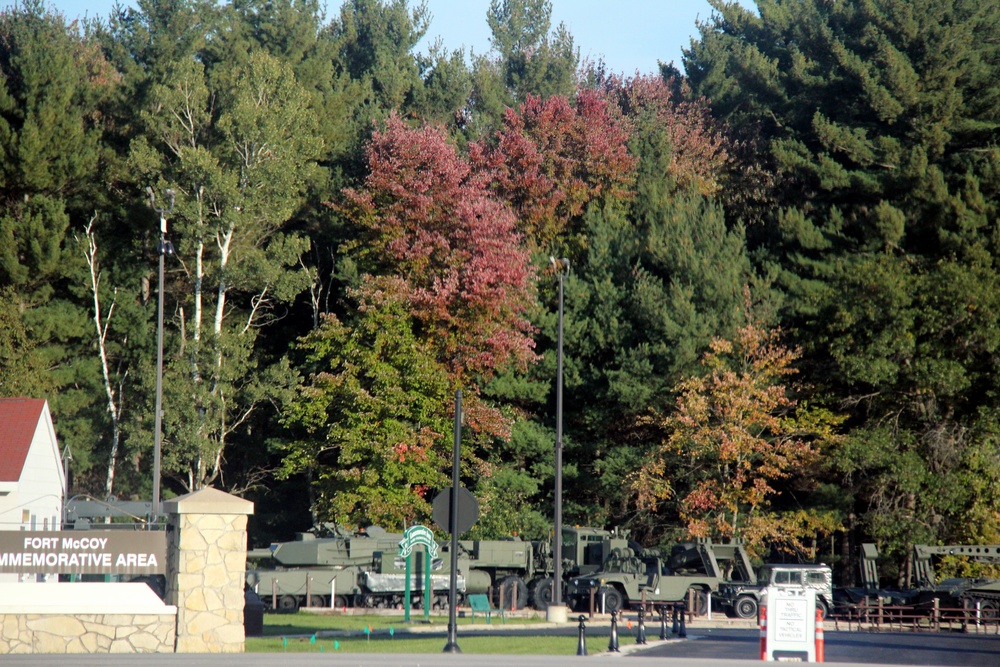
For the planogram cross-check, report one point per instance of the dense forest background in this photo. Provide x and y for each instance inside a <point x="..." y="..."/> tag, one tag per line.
<point x="782" y="308"/>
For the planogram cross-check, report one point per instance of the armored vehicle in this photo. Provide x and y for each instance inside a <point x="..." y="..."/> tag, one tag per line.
<point x="362" y="569"/>
<point x="742" y="600"/>
<point x="357" y="569"/>
<point x="629" y="577"/>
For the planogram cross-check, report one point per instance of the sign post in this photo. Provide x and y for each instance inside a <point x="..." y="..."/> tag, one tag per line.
<point x="412" y="538"/>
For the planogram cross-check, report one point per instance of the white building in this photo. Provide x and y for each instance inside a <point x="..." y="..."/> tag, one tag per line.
<point x="32" y="481"/>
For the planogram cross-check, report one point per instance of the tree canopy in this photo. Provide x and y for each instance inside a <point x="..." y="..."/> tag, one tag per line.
<point x="362" y="225"/>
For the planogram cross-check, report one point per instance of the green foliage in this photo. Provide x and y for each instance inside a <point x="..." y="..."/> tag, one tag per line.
<point x="373" y="411"/>
<point x="240" y="161"/>
<point x="880" y="118"/>
<point x="734" y="435"/>
<point x="22" y="372"/>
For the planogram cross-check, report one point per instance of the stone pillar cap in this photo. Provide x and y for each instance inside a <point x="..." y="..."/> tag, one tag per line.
<point x="208" y="501"/>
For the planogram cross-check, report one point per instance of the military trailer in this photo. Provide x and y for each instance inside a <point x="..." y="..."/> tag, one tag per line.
<point x="629" y="577"/>
<point x="743" y="599"/>
<point x="977" y="592"/>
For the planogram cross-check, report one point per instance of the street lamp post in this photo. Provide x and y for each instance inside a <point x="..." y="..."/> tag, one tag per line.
<point x="163" y="248"/>
<point x="557" y="610"/>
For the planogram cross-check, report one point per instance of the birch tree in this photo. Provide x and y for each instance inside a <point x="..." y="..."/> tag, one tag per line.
<point x="240" y="160"/>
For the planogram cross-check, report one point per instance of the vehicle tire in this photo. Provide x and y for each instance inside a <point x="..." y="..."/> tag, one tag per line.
<point x="288" y="604"/>
<point x="613" y="599"/>
<point x="700" y="603"/>
<point x="541" y="593"/>
<point x="988" y="610"/>
<point x="341" y="602"/>
<point x="515" y="593"/>
<point x="823" y="611"/>
<point x="317" y="601"/>
<point x="745" y="607"/>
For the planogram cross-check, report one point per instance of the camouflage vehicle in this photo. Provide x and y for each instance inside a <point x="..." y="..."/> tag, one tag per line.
<point x="743" y="600"/>
<point x="629" y="577"/>
<point x="362" y="569"/>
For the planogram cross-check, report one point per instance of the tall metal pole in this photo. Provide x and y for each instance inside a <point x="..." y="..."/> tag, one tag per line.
<point x="562" y="269"/>
<point x="163" y="248"/>
<point x="452" y="645"/>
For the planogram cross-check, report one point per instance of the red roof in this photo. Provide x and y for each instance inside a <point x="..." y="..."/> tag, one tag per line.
<point x="18" y="422"/>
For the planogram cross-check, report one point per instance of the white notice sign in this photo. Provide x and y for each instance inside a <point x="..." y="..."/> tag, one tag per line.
<point x="791" y="624"/>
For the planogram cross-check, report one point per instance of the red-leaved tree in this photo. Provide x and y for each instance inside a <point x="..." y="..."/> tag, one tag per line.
<point x="699" y="153"/>
<point x="552" y="158"/>
<point x="431" y="221"/>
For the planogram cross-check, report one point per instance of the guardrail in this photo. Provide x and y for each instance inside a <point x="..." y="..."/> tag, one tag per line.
<point x="927" y="616"/>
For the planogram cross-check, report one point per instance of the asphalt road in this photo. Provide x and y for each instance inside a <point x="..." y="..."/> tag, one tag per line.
<point x="906" y="648"/>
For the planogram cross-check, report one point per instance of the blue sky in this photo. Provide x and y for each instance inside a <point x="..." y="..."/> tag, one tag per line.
<point x="629" y="34"/>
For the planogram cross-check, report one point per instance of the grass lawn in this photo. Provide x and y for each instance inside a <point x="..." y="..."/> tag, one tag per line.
<point x="495" y="645"/>
<point x="295" y="633"/>
<point x="306" y="623"/>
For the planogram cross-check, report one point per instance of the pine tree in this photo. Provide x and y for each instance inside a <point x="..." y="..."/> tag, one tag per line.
<point x="881" y="119"/>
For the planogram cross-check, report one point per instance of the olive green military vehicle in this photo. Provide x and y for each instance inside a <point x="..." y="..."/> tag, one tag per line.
<point x="629" y="577"/>
<point x="348" y="569"/>
<point x="977" y="592"/>
<point x="362" y="569"/>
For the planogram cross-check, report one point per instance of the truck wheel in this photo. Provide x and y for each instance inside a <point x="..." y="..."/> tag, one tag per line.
<point x="746" y="607"/>
<point x="613" y="600"/>
<point x="288" y="604"/>
<point x="515" y="593"/>
<point x="341" y="602"/>
<point x="541" y="593"/>
<point x="823" y="611"/>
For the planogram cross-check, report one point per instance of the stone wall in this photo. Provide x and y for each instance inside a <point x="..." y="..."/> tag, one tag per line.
<point x="206" y="570"/>
<point x="87" y="633"/>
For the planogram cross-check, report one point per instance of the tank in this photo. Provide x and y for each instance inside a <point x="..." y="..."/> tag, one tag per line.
<point x="361" y="568"/>
<point x="344" y="570"/>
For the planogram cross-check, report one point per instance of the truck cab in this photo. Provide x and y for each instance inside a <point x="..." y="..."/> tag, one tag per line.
<point x="743" y="600"/>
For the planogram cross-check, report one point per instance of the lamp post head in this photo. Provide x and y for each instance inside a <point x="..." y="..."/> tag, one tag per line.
<point x="560" y="266"/>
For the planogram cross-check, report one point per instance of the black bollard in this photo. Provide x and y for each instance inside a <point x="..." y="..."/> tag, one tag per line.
<point x="613" y="642"/>
<point x="663" y="622"/>
<point x="640" y="635"/>
<point x="673" y="630"/>
<point x="581" y="647"/>
<point x="683" y="632"/>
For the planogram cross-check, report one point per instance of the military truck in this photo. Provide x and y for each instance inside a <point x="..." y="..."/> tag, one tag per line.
<point x="629" y="577"/>
<point x="362" y="569"/>
<point x="981" y="592"/>
<point x="742" y="600"/>
<point x="518" y="584"/>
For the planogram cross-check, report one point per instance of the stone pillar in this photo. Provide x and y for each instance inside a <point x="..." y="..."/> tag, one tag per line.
<point x="206" y="569"/>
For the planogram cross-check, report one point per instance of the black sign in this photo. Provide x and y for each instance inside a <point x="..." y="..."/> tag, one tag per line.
<point x="83" y="552"/>
<point x="468" y="509"/>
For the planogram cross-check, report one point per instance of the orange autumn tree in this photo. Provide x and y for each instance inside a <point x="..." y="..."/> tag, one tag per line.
<point x="735" y="437"/>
